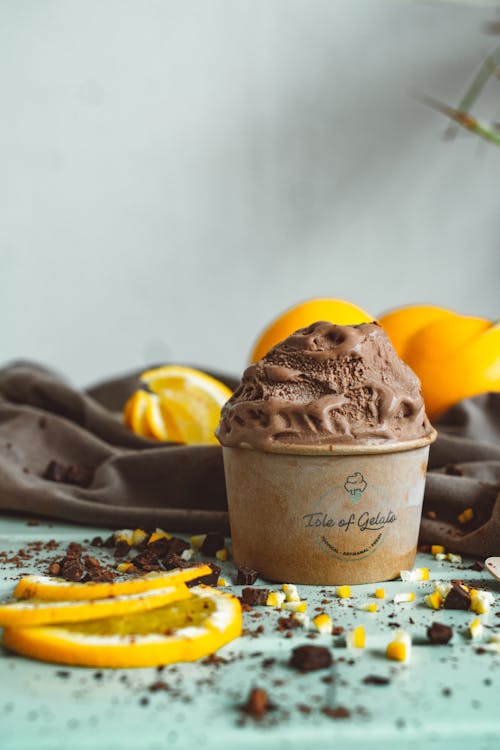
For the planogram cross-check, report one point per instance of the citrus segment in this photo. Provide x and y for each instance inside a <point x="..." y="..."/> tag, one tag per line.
<point x="160" y="421"/>
<point x="188" y="409"/>
<point x="28" y="612"/>
<point x="302" y="315"/>
<point x="135" y="414"/>
<point x="181" y="631"/>
<point x="56" y="589"/>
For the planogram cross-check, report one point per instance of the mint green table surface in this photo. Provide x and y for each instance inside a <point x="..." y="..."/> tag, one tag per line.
<point x="447" y="696"/>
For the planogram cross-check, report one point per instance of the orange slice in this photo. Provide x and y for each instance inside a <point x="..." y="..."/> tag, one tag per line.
<point x="182" y="631"/>
<point x="189" y="404"/>
<point x="56" y="589"/>
<point x="28" y="612"/>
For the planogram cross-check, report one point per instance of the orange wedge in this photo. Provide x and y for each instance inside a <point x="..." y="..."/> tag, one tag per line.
<point x="56" y="589"/>
<point x="182" y="631"/>
<point x="189" y="404"/>
<point x="28" y="612"/>
<point x="134" y="414"/>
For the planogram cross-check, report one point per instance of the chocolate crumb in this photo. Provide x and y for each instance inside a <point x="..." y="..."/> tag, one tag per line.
<point x="336" y="713"/>
<point x="176" y="545"/>
<point x="79" y="476"/>
<point x="209" y="580"/>
<point x="122" y="548"/>
<point x="477" y="566"/>
<point x="458" y="597"/>
<point x="268" y="663"/>
<point x="439" y="634"/>
<point x="155" y="687"/>
<point x="287" y="623"/>
<point x="304" y="709"/>
<point x="254" y="597"/>
<point x="257" y="704"/>
<point x="246" y="576"/>
<point x="71" y="568"/>
<point x="310" y="658"/>
<point x="375" y="679"/>
<point x="212" y="543"/>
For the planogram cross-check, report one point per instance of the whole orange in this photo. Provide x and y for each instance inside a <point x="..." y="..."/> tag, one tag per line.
<point x="302" y="315"/>
<point x="455" y="356"/>
<point x="402" y="323"/>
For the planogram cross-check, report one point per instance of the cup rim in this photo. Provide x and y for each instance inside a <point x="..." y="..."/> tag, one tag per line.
<point x="339" y="449"/>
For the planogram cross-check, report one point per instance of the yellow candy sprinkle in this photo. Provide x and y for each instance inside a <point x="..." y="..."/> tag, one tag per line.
<point x="222" y="554"/>
<point x="158" y="534"/>
<point x="437" y="549"/>
<point x="301" y="618"/>
<point x="476" y="628"/>
<point x="123" y="567"/>
<point x="197" y="540"/>
<point x="407" y="596"/>
<point x="221" y="582"/>
<point x="275" y="599"/>
<point x="356" y="638"/>
<point x="400" y="648"/>
<point x="295" y="606"/>
<point x="466" y="515"/>
<point x="418" y="574"/>
<point x="379" y="593"/>
<point x="323" y="623"/>
<point x="343" y="592"/>
<point x="138" y="536"/>
<point x="481" y="601"/>
<point x="371" y="607"/>
<point x="124" y="535"/>
<point x="291" y="593"/>
<point x="434" y="600"/>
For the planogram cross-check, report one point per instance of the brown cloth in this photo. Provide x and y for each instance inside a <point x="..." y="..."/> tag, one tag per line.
<point x="137" y="482"/>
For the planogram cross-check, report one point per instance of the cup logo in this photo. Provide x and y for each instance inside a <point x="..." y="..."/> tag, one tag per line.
<point x="345" y="532"/>
<point x="355" y="485"/>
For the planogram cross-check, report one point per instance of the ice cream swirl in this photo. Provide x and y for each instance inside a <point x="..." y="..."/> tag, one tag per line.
<point x="326" y="385"/>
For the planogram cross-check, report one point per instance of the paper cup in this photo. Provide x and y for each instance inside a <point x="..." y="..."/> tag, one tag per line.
<point x="350" y="516"/>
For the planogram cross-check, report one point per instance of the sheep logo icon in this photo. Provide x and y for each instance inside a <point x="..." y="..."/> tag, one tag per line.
<point x="355" y="485"/>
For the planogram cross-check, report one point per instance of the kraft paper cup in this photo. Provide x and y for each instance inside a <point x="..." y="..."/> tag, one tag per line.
<point x="350" y="515"/>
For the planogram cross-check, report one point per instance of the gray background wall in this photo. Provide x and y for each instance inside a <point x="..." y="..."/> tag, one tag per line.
<point x="173" y="173"/>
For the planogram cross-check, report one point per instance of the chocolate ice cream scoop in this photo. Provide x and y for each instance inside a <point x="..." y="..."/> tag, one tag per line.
<point x="326" y="385"/>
